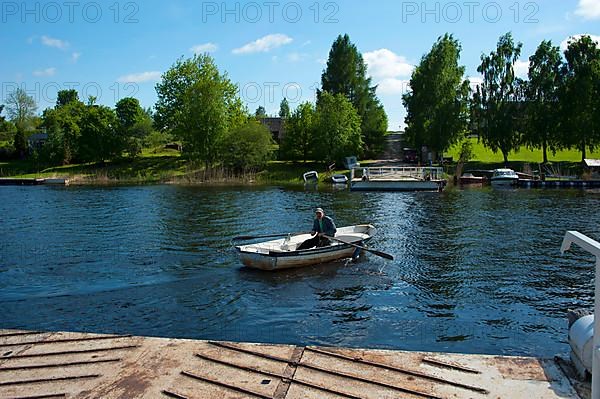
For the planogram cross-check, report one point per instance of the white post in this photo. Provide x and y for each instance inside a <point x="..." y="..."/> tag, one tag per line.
<point x="593" y="247"/>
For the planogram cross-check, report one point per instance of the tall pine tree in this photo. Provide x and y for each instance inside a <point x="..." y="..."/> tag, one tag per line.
<point x="346" y="74"/>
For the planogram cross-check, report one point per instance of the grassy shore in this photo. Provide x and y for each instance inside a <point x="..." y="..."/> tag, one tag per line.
<point x="166" y="166"/>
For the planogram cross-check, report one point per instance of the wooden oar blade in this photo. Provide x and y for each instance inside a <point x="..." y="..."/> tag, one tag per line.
<point x="382" y="254"/>
<point x="238" y="238"/>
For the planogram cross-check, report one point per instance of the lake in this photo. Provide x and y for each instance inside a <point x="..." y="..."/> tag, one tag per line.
<point x="475" y="271"/>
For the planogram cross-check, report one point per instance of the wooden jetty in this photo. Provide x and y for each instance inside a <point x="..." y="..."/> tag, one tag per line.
<point x="82" y="365"/>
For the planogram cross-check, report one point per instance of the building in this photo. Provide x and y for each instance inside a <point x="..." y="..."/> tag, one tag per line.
<point x="275" y="126"/>
<point x="36" y="141"/>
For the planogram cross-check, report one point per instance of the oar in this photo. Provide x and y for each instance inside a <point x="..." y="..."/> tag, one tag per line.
<point x="378" y="253"/>
<point x="265" y="236"/>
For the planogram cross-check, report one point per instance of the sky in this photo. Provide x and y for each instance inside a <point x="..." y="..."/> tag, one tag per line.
<point x="270" y="49"/>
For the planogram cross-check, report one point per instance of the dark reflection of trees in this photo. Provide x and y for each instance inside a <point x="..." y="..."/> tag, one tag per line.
<point x="343" y="304"/>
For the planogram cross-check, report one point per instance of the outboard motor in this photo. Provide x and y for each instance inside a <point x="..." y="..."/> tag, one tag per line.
<point x="581" y="339"/>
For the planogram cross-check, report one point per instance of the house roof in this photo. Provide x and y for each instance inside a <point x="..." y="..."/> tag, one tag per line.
<point x="38" y="136"/>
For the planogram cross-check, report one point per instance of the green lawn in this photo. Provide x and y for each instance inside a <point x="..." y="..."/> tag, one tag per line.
<point x="485" y="155"/>
<point x="150" y="167"/>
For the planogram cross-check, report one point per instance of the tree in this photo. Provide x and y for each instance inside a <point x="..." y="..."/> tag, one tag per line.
<point x="99" y="140"/>
<point x="129" y="112"/>
<point x="346" y="73"/>
<point x="437" y="111"/>
<point x="133" y="124"/>
<point x="500" y="98"/>
<point x="579" y="97"/>
<point x="542" y="93"/>
<point x="65" y="97"/>
<point x="21" y="108"/>
<point x="337" y="128"/>
<point x="62" y="123"/>
<point x="284" y="109"/>
<point x="374" y="127"/>
<point x="5" y="126"/>
<point x="247" y="147"/>
<point x="298" y="141"/>
<point x="260" y="112"/>
<point x="199" y="105"/>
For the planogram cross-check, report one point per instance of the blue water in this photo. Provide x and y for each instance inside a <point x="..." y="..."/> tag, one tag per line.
<point x="476" y="271"/>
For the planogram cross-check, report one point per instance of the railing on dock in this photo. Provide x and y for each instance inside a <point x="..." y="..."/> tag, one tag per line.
<point x="397" y="173"/>
<point x="593" y="247"/>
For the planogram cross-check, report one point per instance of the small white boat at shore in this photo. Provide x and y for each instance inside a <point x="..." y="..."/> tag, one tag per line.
<point x="310" y="177"/>
<point x="282" y="253"/>
<point x="504" y="177"/>
<point x="339" y="179"/>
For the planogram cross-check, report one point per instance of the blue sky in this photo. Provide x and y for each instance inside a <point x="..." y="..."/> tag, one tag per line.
<point x="271" y="49"/>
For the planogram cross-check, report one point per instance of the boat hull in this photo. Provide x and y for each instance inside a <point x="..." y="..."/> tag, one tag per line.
<point x="269" y="258"/>
<point x="398" y="185"/>
<point x="504" y="182"/>
<point x="266" y="262"/>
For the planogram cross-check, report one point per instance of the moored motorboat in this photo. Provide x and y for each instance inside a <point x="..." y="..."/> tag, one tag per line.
<point x="282" y="253"/>
<point x="504" y="177"/>
<point x="470" y="179"/>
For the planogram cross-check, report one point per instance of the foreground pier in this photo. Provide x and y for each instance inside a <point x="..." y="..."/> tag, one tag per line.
<point x="81" y="365"/>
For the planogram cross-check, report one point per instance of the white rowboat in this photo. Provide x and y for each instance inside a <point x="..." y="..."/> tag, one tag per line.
<point x="282" y="253"/>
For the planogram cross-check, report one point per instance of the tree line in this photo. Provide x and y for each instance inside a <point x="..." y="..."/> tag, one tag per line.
<point x="556" y="107"/>
<point x="199" y="106"/>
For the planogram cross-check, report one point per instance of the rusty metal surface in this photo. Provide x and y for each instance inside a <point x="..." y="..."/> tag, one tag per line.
<point x="76" y="365"/>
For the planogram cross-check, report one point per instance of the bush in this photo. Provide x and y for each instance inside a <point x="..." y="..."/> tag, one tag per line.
<point x="247" y="148"/>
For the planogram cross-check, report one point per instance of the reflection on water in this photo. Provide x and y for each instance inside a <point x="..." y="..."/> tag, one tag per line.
<point x="476" y="271"/>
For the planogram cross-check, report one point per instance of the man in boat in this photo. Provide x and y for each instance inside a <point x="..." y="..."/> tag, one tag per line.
<point x="323" y="225"/>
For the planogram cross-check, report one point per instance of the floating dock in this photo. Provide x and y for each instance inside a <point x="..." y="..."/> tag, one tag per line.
<point x="82" y="365"/>
<point x="584" y="184"/>
<point x="396" y="178"/>
<point x="10" y="181"/>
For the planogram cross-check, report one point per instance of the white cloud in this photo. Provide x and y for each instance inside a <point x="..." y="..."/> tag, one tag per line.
<point x="521" y="68"/>
<point x="393" y="86"/>
<point x="384" y="63"/>
<point x="264" y="44"/>
<point x="588" y="9"/>
<point x="75" y="57"/>
<point x="389" y="71"/>
<point x="140" y="77"/>
<point x="565" y="43"/>
<point x="44" y="72"/>
<point x="475" y="81"/>
<point x="296" y="57"/>
<point x="204" y="48"/>
<point x="51" y="42"/>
